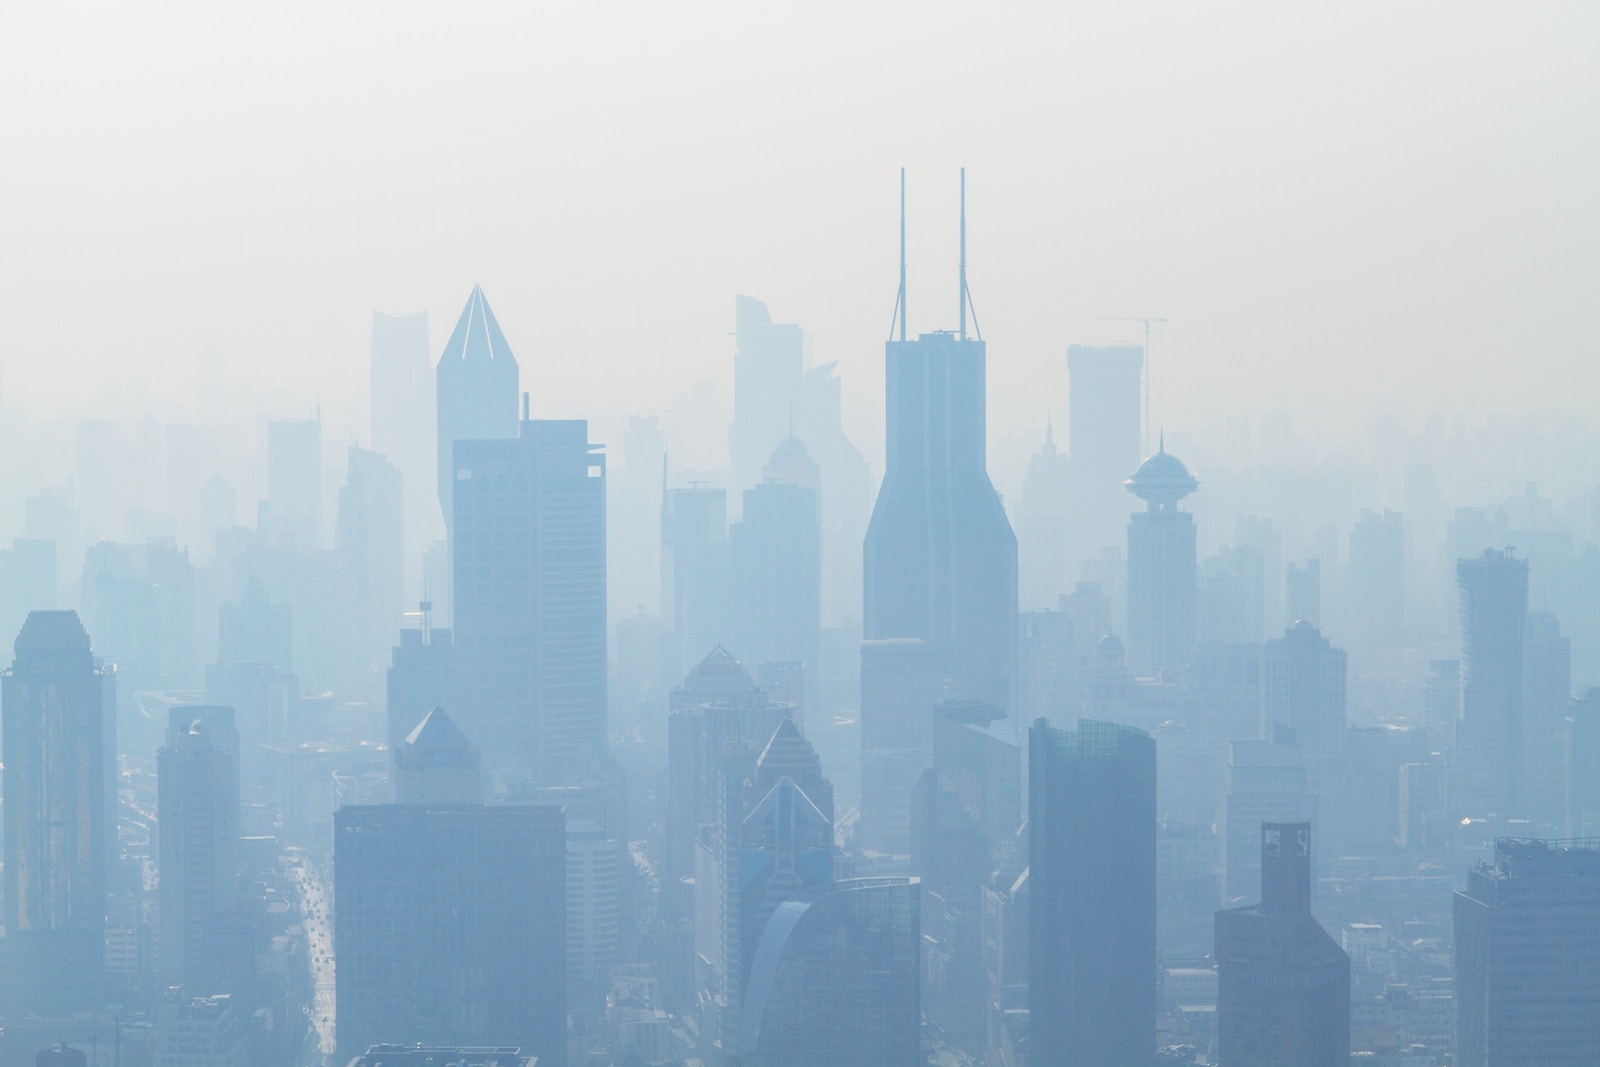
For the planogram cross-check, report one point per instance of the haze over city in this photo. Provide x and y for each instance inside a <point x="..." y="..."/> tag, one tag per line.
<point x="711" y="535"/>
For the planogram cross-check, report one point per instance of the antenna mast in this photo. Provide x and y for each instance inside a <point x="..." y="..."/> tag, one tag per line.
<point x="962" y="296"/>
<point x="900" y="300"/>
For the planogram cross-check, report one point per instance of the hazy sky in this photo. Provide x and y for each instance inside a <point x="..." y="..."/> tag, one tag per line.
<point x="1330" y="202"/>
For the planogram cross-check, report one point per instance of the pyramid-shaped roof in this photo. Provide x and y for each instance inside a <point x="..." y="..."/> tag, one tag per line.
<point x="788" y="750"/>
<point x="438" y="733"/>
<point x="477" y="335"/>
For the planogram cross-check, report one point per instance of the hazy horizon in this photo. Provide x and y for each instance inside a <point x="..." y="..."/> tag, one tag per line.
<point x="1340" y="213"/>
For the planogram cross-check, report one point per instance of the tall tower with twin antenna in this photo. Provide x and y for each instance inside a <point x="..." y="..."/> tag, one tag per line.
<point x="940" y="559"/>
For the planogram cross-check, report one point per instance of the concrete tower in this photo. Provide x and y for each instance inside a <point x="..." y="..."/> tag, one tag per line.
<point x="1161" y="568"/>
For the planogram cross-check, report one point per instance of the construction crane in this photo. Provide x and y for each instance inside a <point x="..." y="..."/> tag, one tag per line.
<point x="1145" y="369"/>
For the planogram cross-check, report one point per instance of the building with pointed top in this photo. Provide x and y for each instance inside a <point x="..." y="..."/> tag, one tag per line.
<point x="1045" y="525"/>
<point x="476" y="390"/>
<point x="437" y="764"/>
<point x="767" y="371"/>
<point x="1162" y="572"/>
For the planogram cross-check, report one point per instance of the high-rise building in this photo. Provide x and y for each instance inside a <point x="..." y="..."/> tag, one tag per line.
<point x="530" y="600"/>
<point x="1378" y="577"/>
<point x="371" y="563"/>
<point x="1527" y="935"/>
<point x="1044" y="520"/>
<point x="1092" y="914"/>
<point x="1267" y="782"/>
<point x="940" y="556"/>
<point x="767" y="373"/>
<point x="201" y="1031"/>
<point x="402" y="387"/>
<point x="694" y="571"/>
<point x="834" y="979"/>
<point x="1486" y="769"/>
<point x="1580" y="755"/>
<point x="421" y="676"/>
<point x="450" y="927"/>
<point x="1303" y="593"/>
<point x="1283" y="984"/>
<point x="845" y="493"/>
<point x="776" y="590"/>
<point x="27" y="582"/>
<point x="1546" y="692"/>
<point x="1161" y="568"/>
<point x="1303" y="688"/>
<point x="1103" y="442"/>
<point x="294" y="482"/>
<point x="197" y="782"/>
<point x="475" y="391"/>
<point x="437" y="764"/>
<point x="58" y="732"/>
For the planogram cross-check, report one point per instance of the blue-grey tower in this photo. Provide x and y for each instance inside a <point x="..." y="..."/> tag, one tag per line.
<point x="476" y="390"/>
<point x="1161" y="567"/>
<point x="940" y="571"/>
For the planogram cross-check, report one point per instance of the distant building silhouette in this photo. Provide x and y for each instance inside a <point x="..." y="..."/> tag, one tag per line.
<point x="1546" y="692"/>
<point x="1161" y="568"/>
<point x="294" y="482"/>
<point x="198" y="806"/>
<point x="530" y="600"/>
<point x="372" y="553"/>
<point x="1303" y="688"/>
<point x="1303" y="593"/>
<point x="1486" y="770"/>
<point x="1378" y="578"/>
<point x="421" y="676"/>
<point x="1267" y="783"/>
<point x="776" y="554"/>
<point x="437" y="764"/>
<point x="58" y="732"/>
<point x="1044" y="519"/>
<point x="694" y="572"/>
<point x="1527" y="935"/>
<point x="475" y="391"/>
<point x="834" y="979"/>
<point x="767" y="373"/>
<point x="450" y="926"/>
<point x="1283" y="984"/>
<point x="1092" y="910"/>
<point x="1103" y="439"/>
<point x="403" y="407"/>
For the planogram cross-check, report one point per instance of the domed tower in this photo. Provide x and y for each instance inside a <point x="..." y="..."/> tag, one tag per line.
<point x="1161" y="568"/>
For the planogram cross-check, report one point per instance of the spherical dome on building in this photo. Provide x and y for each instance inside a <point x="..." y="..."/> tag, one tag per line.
<point x="1162" y="479"/>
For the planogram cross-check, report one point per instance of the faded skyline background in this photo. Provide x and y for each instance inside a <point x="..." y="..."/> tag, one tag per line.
<point x="1341" y="211"/>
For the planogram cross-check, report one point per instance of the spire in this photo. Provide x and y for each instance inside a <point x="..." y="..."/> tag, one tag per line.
<point x="1162" y="447"/>
<point x="962" y="295"/>
<point x="477" y="334"/>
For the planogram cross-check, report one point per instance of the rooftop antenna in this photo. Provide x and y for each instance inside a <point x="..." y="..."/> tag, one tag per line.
<point x="1144" y="368"/>
<point x="900" y="298"/>
<point x="962" y="296"/>
<point x="966" y="294"/>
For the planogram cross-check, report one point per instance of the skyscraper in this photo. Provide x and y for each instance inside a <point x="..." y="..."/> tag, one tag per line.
<point x="371" y="548"/>
<point x="1546" y="691"/>
<point x="294" y="481"/>
<point x="450" y="927"/>
<point x="437" y="764"/>
<point x="197" y="780"/>
<point x="58" y="732"/>
<point x="402" y="385"/>
<point x="1283" y="985"/>
<point x="421" y="676"/>
<point x="776" y="590"/>
<point x="694" y="571"/>
<point x="530" y="600"/>
<point x="1527" y="935"/>
<point x="834" y="979"/>
<point x="1303" y="688"/>
<point x="1486" y="771"/>
<point x="767" y="372"/>
<point x="1378" y="577"/>
<point x="940" y="556"/>
<point x="1092" y="859"/>
<point x="1161" y="568"/>
<point x="1102" y="440"/>
<point x="476" y="390"/>
<point x="1267" y="782"/>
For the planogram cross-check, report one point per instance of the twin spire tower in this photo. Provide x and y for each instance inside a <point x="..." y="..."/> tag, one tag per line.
<point x="964" y="294"/>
